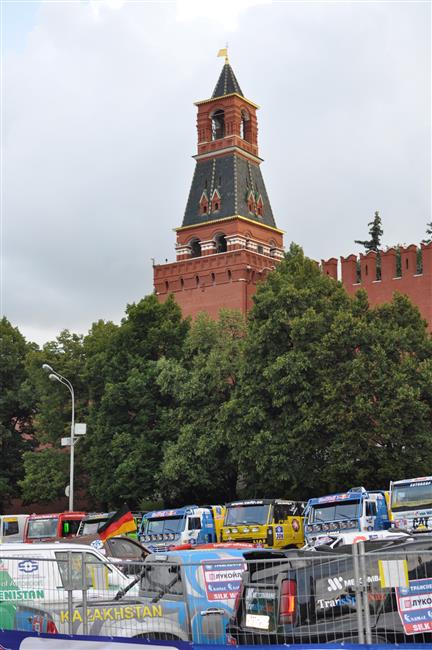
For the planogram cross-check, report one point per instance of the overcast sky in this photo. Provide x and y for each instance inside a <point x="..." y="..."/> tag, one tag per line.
<point x="98" y="130"/>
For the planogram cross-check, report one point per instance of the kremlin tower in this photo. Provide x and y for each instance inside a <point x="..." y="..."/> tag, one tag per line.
<point x="228" y="240"/>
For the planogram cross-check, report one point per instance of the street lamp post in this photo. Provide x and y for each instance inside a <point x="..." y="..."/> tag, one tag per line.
<point x="56" y="376"/>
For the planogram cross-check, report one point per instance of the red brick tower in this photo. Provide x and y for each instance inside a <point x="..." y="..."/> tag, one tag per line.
<point x="228" y="240"/>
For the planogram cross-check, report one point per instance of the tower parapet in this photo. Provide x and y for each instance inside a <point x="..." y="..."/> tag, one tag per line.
<point x="406" y="269"/>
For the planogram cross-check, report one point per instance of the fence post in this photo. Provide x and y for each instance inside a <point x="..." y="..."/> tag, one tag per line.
<point x="70" y="594"/>
<point x="84" y="592"/>
<point x="358" y="593"/>
<point x="363" y="575"/>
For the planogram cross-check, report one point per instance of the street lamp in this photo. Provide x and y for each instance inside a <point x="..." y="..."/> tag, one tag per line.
<point x="56" y="376"/>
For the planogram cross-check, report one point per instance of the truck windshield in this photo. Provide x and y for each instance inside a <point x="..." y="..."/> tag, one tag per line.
<point x="164" y="525"/>
<point x="247" y="514"/>
<point x="91" y="527"/>
<point x="38" y="528"/>
<point x="334" y="511"/>
<point x="411" y="495"/>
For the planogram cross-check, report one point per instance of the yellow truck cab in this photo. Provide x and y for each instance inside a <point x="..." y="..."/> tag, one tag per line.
<point x="272" y="523"/>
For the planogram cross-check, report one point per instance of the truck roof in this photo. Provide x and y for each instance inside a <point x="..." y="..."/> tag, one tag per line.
<point x="174" y="512"/>
<point x="43" y="546"/>
<point x="412" y="480"/>
<point x="353" y="494"/>
<point x="68" y="513"/>
<point x="260" y="502"/>
<point x="196" y="556"/>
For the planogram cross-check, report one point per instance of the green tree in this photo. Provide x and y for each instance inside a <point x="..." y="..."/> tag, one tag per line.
<point x="52" y="416"/>
<point x="375" y="232"/>
<point x="198" y="463"/>
<point x="45" y="474"/>
<point x="127" y="431"/>
<point x="372" y="244"/>
<point x="332" y="392"/>
<point x="16" y="408"/>
<point x="428" y="239"/>
<point x="378" y="409"/>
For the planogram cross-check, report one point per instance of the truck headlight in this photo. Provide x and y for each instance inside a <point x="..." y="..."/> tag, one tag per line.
<point x="234" y="530"/>
<point x="245" y="530"/>
<point x="255" y="529"/>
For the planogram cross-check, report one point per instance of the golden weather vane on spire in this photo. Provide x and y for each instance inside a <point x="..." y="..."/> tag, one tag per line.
<point x="224" y="52"/>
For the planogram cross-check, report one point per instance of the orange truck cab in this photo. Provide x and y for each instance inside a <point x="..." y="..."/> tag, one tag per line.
<point x="41" y="528"/>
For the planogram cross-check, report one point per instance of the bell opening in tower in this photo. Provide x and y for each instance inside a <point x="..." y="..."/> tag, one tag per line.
<point x="218" y="124"/>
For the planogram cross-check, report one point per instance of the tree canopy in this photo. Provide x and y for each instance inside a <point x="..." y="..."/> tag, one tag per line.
<point x="315" y="392"/>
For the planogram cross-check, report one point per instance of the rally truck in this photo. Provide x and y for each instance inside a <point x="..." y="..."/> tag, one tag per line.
<point x="311" y="596"/>
<point x="356" y="510"/>
<point x="411" y="504"/>
<point x="94" y="520"/>
<point x="39" y="528"/>
<point x="271" y="523"/>
<point x="178" y="595"/>
<point x="162" y="529"/>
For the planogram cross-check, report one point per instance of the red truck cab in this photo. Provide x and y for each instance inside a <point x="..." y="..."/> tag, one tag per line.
<point x="41" y="528"/>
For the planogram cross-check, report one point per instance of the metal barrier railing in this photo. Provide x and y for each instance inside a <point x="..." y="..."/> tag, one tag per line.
<point x="361" y="596"/>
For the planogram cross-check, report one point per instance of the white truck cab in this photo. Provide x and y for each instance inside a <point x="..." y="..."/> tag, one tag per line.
<point x="44" y="573"/>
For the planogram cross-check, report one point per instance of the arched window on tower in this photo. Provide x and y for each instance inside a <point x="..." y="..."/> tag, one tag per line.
<point x="204" y="203"/>
<point x="245" y="125"/>
<point x="221" y="243"/>
<point x="260" y="206"/>
<point x="216" y="201"/>
<point x="195" y="246"/>
<point x="218" y="124"/>
<point x="251" y="202"/>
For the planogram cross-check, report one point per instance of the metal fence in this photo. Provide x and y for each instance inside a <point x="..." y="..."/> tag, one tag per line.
<point x="380" y="596"/>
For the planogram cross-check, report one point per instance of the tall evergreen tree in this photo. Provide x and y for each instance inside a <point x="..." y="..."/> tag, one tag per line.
<point x="375" y="232"/>
<point x="428" y="239"/>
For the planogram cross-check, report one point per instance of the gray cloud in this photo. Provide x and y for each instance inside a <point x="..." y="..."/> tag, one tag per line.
<point x="99" y="129"/>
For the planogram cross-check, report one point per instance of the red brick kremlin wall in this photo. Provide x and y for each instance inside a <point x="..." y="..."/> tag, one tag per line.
<point x="417" y="286"/>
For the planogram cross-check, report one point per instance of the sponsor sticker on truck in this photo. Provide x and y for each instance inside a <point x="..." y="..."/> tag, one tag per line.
<point x="415" y="606"/>
<point x="222" y="581"/>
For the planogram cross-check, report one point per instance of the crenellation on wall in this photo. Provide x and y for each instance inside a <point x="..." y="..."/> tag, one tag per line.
<point x="368" y="267"/>
<point x="329" y="267"/>
<point x="388" y="264"/>
<point x="408" y="260"/>
<point x="427" y="259"/>
<point x="349" y="269"/>
<point x="381" y="286"/>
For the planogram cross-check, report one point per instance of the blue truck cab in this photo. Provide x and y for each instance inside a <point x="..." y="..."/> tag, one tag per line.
<point x="347" y="512"/>
<point x="162" y="529"/>
<point x="191" y="593"/>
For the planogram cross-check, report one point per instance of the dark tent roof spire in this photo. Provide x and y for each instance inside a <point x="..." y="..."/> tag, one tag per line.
<point x="227" y="82"/>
